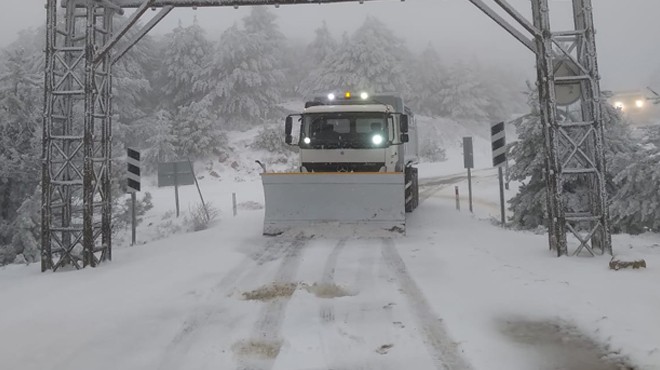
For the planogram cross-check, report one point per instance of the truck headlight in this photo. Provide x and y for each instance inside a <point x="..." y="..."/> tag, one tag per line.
<point x="307" y="140"/>
<point x="619" y="105"/>
<point x="639" y="103"/>
<point x="377" y="139"/>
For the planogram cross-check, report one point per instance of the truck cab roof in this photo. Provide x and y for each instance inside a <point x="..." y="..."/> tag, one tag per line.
<point x="349" y="108"/>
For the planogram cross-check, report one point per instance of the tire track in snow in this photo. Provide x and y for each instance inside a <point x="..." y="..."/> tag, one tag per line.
<point x="442" y="348"/>
<point x="328" y="278"/>
<point x="183" y="340"/>
<point x="430" y="188"/>
<point x="268" y="326"/>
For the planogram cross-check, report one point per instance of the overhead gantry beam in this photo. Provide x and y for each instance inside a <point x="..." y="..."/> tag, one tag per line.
<point x="234" y="3"/>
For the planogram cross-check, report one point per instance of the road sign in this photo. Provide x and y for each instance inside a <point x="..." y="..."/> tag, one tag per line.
<point x="175" y="174"/>
<point x="498" y="143"/>
<point x="468" y="155"/>
<point x="133" y="174"/>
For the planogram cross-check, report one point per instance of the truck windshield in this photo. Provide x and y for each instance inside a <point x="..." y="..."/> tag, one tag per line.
<point x="344" y="130"/>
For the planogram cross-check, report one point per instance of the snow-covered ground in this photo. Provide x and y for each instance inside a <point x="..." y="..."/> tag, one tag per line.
<point x="457" y="291"/>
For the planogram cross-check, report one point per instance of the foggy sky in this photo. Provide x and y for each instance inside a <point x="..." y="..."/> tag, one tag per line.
<point x="627" y="30"/>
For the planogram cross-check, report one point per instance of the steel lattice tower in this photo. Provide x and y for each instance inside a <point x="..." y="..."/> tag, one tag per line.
<point x="574" y="138"/>
<point x="77" y="130"/>
<point x="76" y="137"/>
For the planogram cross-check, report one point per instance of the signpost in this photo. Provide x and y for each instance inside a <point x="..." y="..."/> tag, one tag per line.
<point x="179" y="173"/>
<point x="175" y="174"/>
<point x="498" y="145"/>
<point x="133" y="185"/>
<point x="468" y="162"/>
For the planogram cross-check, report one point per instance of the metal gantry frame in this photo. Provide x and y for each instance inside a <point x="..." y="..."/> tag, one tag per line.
<point x="573" y="135"/>
<point x="77" y="130"/>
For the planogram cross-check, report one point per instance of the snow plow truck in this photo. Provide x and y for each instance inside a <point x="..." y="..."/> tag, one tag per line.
<point x="357" y="157"/>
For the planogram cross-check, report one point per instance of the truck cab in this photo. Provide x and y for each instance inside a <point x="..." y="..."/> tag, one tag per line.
<point x="376" y="134"/>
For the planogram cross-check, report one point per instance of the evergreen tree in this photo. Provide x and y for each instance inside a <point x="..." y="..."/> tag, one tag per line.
<point x="186" y="58"/>
<point x="195" y="130"/>
<point x="635" y="206"/>
<point x="310" y="60"/>
<point x="323" y="46"/>
<point x="528" y="166"/>
<point x="21" y="105"/>
<point x="161" y="144"/>
<point x="132" y="89"/>
<point x="528" y="156"/>
<point x="250" y="79"/>
<point x="428" y="80"/>
<point x="27" y="227"/>
<point x="372" y="60"/>
<point x="463" y="97"/>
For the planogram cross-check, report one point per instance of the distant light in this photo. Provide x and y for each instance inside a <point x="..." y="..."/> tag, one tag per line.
<point x="377" y="139"/>
<point x="307" y="140"/>
<point x="347" y="95"/>
<point x="331" y="96"/>
<point x="619" y="105"/>
<point x="639" y="103"/>
<point x="364" y="96"/>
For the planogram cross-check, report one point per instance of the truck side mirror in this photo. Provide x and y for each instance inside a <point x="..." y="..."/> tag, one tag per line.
<point x="288" y="127"/>
<point x="405" y="138"/>
<point x="403" y="123"/>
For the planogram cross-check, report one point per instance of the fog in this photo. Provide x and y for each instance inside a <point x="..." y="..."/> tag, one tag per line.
<point x="626" y="30"/>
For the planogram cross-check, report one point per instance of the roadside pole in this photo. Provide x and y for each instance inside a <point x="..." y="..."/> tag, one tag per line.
<point x="503" y="215"/>
<point x="498" y="145"/>
<point x="468" y="162"/>
<point x="133" y="218"/>
<point x="192" y="170"/>
<point x="176" y="190"/>
<point x="458" y="199"/>
<point x="133" y="185"/>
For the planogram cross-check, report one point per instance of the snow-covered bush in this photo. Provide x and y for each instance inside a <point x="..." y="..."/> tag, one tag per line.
<point x="122" y="214"/>
<point x="271" y="139"/>
<point x="201" y="217"/>
<point x="27" y="228"/>
<point x="430" y="150"/>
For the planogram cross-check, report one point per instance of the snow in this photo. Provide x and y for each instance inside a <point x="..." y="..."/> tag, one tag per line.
<point x="456" y="289"/>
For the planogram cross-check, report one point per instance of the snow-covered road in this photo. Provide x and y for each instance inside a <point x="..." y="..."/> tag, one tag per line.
<point x="455" y="293"/>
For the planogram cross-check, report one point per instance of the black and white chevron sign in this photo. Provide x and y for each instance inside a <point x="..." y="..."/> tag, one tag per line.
<point x="133" y="175"/>
<point x="498" y="143"/>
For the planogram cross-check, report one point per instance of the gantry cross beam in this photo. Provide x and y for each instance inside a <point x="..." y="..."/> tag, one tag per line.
<point x="77" y="130"/>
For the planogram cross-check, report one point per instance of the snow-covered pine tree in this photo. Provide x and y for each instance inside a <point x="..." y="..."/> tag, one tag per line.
<point x="184" y="64"/>
<point x="528" y="167"/>
<point x="372" y="59"/>
<point x="633" y="165"/>
<point x="161" y="143"/>
<point x="526" y="154"/>
<point x="251" y="80"/>
<point x="133" y="94"/>
<point x="323" y="46"/>
<point x="21" y="104"/>
<point x="196" y="132"/>
<point x="463" y="96"/>
<point x="27" y="228"/>
<point x="428" y="79"/>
